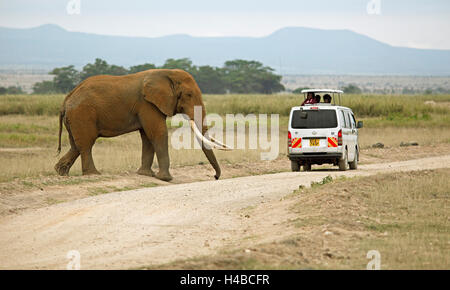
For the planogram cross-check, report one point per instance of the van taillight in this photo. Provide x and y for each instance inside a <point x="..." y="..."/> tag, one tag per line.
<point x="340" y="138"/>
<point x="289" y="139"/>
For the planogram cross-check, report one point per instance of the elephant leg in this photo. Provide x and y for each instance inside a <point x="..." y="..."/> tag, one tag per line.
<point x="148" y="153"/>
<point x="155" y="128"/>
<point x="65" y="163"/>
<point x="84" y="132"/>
<point x="87" y="163"/>
<point x="161" y="145"/>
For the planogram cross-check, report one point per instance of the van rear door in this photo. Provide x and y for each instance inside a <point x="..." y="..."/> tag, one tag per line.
<point x="311" y="129"/>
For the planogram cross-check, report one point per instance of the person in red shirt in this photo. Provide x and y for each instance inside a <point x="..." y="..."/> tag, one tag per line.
<point x="310" y="99"/>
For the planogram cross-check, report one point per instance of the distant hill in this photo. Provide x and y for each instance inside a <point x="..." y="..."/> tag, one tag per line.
<point x="292" y="50"/>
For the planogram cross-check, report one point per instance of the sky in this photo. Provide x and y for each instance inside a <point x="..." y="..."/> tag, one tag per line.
<point x="413" y="23"/>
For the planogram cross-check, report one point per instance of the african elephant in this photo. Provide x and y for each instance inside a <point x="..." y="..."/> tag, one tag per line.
<point x="108" y="106"/>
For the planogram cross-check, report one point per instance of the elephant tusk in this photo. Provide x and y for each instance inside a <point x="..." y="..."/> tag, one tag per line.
<point x="220" y="143"/>
<point x="204" y="140"/>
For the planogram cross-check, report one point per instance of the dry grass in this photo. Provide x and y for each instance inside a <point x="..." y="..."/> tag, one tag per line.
<point x="31" y="104"/>
<point x="393" y="136"/>
<point x="363" y="105"/>
<point x="30" y="121"/>
<point x="390" y="106"/>
<point x="411" y="214"/>
<point x="28" y="148"/>
<point x="404" y="216"/>
<point x="35" y="140"/>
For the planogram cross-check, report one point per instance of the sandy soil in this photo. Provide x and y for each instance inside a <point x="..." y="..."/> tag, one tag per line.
<point x="21" y="194"/>
<point x="157" y="225"/>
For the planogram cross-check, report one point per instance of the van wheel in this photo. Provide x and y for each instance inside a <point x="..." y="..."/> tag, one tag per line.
<point x="343" y="163"/>
<point x="354" y="163"/>
<point x="307" y="167"/>
<point x="295" y="166"/>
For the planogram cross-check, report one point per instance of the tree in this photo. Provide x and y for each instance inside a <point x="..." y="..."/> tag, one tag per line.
<point x="11" y="90"/>
<point x="45" y="87"/>
<point x="270" y="82"/>
<point x="352" y="89"/>
<point x="441" y="90"/>
<point x="210" y="79"/>
<point x="101" y="67"/>
<point x="244" y="76"/>
<point x="408" y="91"/>
<point x="116" y="70"/>
<point x="237" y="76"/>
<point x="299" y="90"/>
<point x="182" y="63"/>
<point x="141" y="67"/>
<point x="66" y="78"/>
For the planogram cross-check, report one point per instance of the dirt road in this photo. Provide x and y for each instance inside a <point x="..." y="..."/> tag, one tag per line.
<point x="161" y="224"/>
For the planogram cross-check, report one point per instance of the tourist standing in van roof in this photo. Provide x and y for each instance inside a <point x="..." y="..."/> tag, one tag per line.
<point x="310" y="99"/>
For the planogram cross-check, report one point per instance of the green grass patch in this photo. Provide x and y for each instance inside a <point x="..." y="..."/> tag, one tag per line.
<point x="325" y="180"/>
<point x="24" y="128"/>
<point x="26" y="140"/>
<point x="31" y="104"/>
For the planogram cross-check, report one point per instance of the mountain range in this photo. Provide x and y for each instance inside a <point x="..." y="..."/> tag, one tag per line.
<point x="290" y="50"/>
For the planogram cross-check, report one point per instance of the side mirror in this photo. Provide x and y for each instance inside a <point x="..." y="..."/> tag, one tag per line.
<point x="360" y="124"/>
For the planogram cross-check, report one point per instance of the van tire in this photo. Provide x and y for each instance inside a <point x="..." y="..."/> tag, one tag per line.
<point x="354" y="164"/>
<point x="295" y="166"/>
<point x="307" y="167"/>
<point x="343" y="163"/>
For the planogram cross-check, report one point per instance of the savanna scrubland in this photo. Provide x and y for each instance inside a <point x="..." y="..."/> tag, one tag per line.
<point x="29" y="127"/>
<point x="404" y="215"/>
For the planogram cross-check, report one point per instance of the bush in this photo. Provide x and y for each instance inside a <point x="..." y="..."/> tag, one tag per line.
<point x="45" y="87"/>
<point x="12" y="90"/>
<point x="352" y="89"/>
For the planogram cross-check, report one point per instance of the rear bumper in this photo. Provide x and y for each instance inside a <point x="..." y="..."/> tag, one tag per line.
<point x="316" y="158"/>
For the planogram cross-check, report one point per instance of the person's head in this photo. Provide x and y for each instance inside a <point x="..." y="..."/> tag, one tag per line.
<point x="317" y="98"/>
<point x="327" y="98"/>
<point x="310" y="95"/>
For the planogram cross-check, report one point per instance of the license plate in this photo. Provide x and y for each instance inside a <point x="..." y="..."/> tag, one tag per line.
<point x="314" y="142"/>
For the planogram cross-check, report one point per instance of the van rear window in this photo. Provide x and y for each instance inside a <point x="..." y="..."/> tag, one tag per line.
<point x="314" y="119"/>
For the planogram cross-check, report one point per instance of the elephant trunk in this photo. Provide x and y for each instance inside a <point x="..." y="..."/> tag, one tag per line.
<point x="207" y="151"/>
<point x="212" y="159"/>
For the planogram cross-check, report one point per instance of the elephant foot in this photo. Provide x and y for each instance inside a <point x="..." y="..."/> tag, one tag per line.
<point x="62" y="169"/>
<point x="147" y="172"/>
<point x="164" y="176"/>
<point x="91" y="172"/>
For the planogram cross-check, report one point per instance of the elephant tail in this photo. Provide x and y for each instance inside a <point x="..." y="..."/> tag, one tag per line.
<point x="61" y="117"/>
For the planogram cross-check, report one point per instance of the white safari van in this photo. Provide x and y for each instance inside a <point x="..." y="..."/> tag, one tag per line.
<point x="321" y="131"/>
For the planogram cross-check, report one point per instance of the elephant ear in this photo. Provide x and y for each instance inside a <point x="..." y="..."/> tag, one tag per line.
<point x="159" y="90"/>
